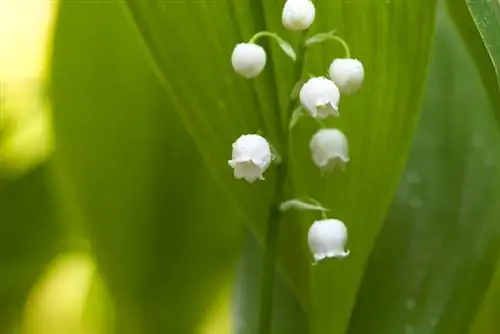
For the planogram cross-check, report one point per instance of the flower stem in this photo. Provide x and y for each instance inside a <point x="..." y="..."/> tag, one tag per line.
<point x="344" y="44"/>
<point x="270" y="252"/>
<point x="273" y="225"/>
<point x="322" y="37"/>
<point x="284" y="45"/>
<point x="262" y="34"/>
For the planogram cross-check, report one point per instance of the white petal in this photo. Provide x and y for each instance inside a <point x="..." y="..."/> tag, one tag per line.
<point x="329" y="149"/>
<point x="248" y="59"/>
<point x="348" y="74"/>
<point x="320" y="97"/>
<point x="298" y="14"/>
<point x="326" y="109"/>
<point x="327" y="239"/>
<point x="247" y="170"/>
<point x="251" y="157"/>
<point x="319" y="257"/>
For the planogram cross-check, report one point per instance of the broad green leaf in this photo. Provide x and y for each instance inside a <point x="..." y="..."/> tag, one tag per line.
<point x="437" y="252"/>
<point x="30" y="236"/>
<point x="288" y="316"/>
<point x="486" y="15"/>
<point x="487" y="320"/>
<point x="480" y="35"/>
<point x="163" y="234"/>
<point x="214" y="104"/>
<point x="393" y="42"/>
<point x="114" y="123"/>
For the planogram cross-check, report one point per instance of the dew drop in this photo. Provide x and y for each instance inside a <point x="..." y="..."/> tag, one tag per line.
<point x="489" y="160"/>
<point x="477" y="140"/>
<point x="410" y="304"/>
<point x="416" y="202"/>
<point x="221" y="104"/>
<point x="409" y="329"/>
<point x="412" y="177"/>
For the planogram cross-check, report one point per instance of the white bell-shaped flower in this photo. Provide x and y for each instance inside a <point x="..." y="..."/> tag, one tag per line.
<point x="251" y="157"/>
<point x="320" y="97"/>
<point x="298" y="14"/>
<point x="329" y="149"/>
<point x="248" y="59"/>
<point x="327" y="239"/>
<point x="348" y="74"/>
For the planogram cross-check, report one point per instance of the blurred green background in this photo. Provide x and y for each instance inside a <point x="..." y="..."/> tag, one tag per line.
<point x="114" y="220"/>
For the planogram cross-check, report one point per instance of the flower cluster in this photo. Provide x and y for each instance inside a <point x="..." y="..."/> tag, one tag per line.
<point x="319" y="97"/>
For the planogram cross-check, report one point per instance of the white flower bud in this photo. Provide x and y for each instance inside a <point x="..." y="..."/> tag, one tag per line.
<point x="298" y="14"/>
<point x="327" y="239"/>
<point x="329" y="149"/>
<point x="348" y="74"/>
<point x="320" y="97"/>
<point x="251" y="157"/>
<point x="248" y="59"/>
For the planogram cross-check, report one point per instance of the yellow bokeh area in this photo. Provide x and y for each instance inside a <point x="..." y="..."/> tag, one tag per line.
<point x="25" y="27"/>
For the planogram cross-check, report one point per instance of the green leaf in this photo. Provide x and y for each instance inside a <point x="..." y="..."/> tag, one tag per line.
<point x="158" y="222"/>
<point x="287" y="48"/>
<point x="487" y="320"/>
<point x="301" y="205"/>
<point x="296" y="116"/>
<point x="480" y="34"/>
<point x="288" y="316"/>
<point x="159" y="23"/>
<point x="120" y="138"/>
<point x="437" y="252"/>
<point x="319" y="38"/>
<point x="378" y="121"/>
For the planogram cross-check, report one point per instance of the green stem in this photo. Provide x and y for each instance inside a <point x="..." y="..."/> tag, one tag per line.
<point x="320" y="123"/>
<point x="344" y="44"/>
<point x="323" y="213"/>
<point x="322" y="37"/>
<point x="272" y="234"/>
<point x="262" y="34"/>
<point x="270" y="252"/>
<point x="284" y="45"/>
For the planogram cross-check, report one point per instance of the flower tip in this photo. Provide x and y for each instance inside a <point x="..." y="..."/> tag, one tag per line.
<point x="340" y="254"/>
<point x="318" y="258"/>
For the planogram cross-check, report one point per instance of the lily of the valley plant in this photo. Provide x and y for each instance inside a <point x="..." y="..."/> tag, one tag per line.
<point x="319" y="98"/>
